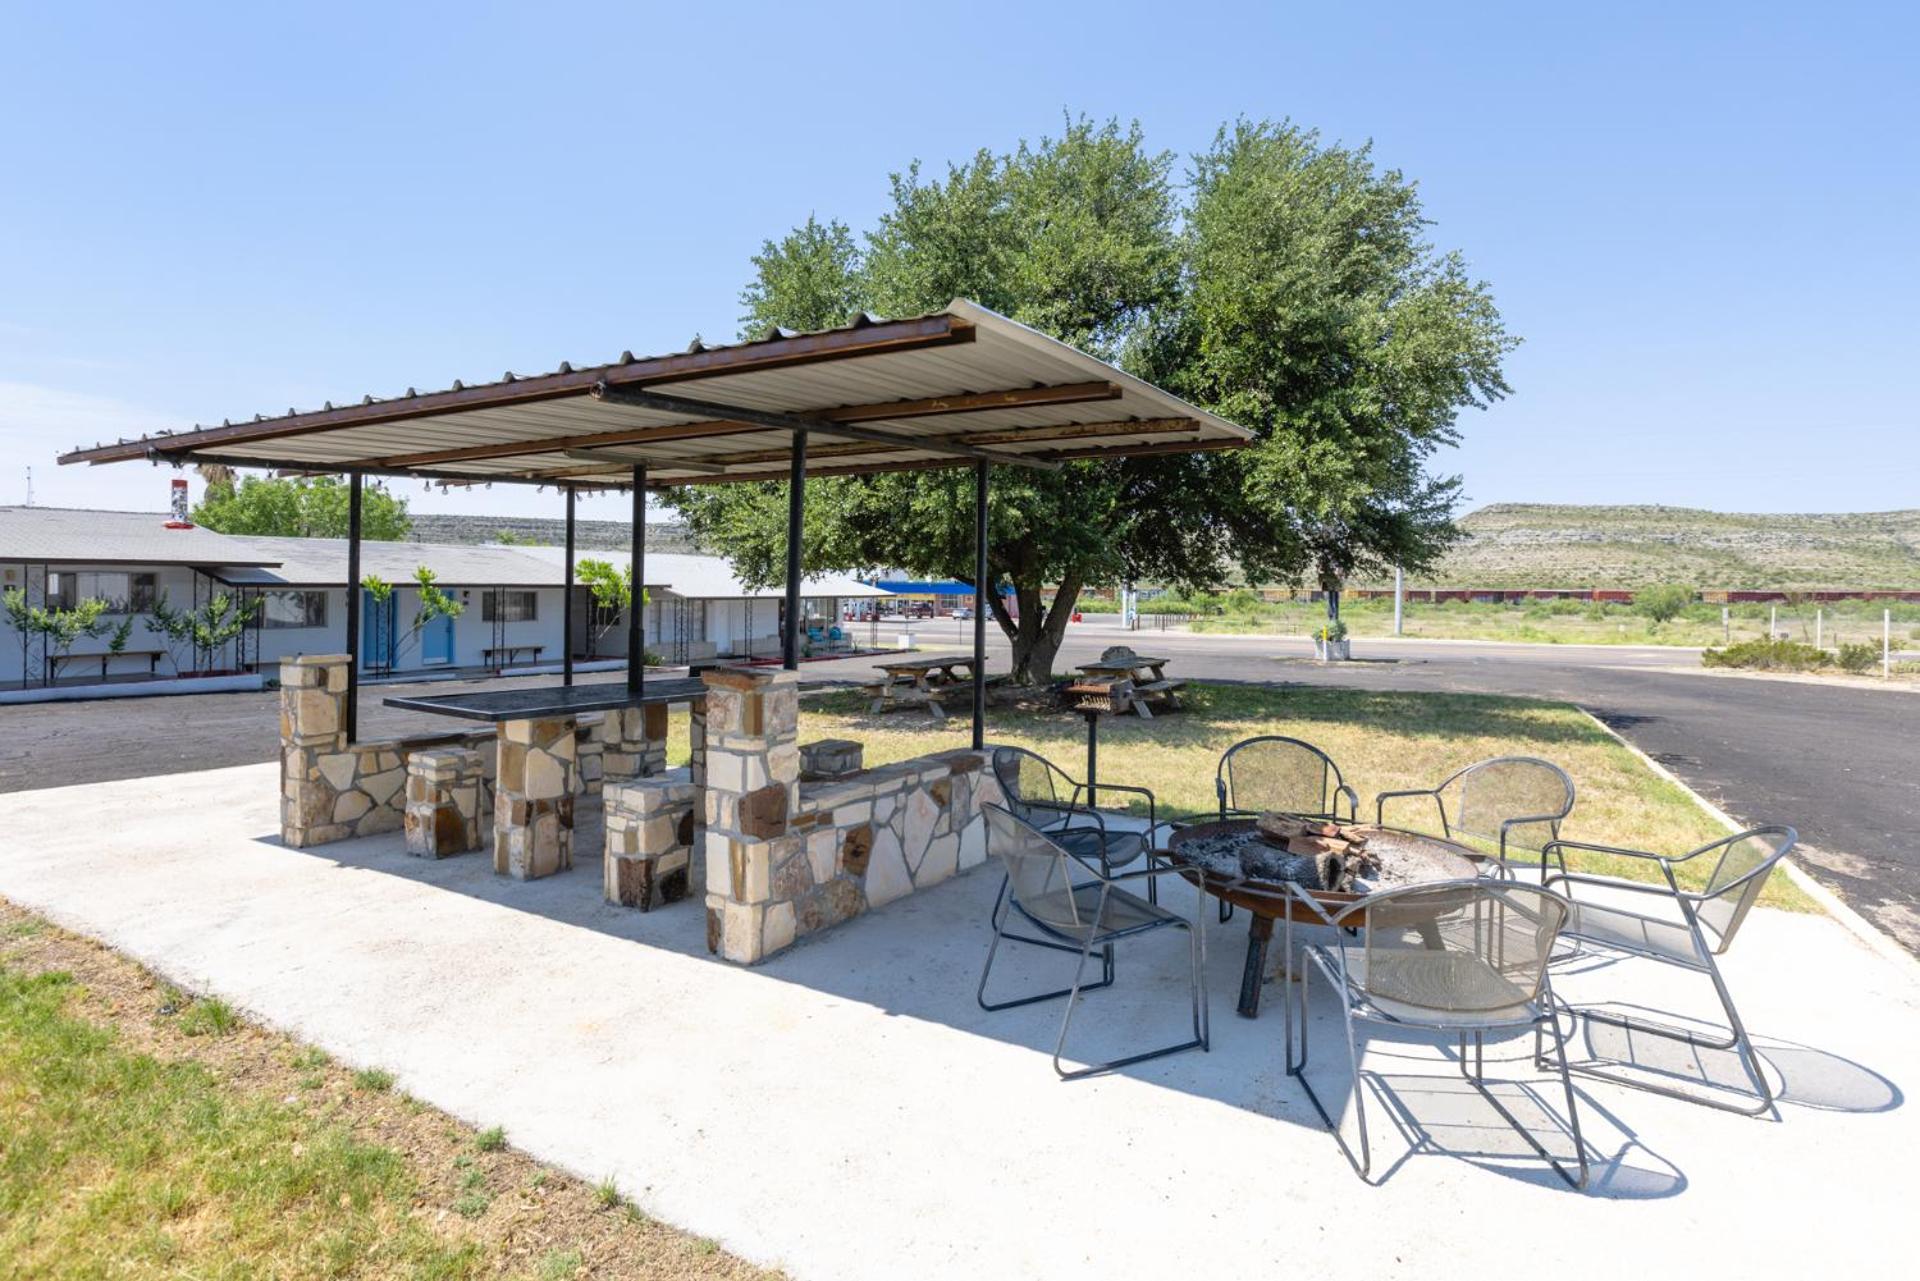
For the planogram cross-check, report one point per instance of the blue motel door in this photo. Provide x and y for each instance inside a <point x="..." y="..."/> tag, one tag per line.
<point x="436" y="641"/>
<point x="376" y="632"/>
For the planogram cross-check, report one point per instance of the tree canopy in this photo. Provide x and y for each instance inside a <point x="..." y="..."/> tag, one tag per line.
<point x="298" y="507"/>
<point x="1290" y="290"/>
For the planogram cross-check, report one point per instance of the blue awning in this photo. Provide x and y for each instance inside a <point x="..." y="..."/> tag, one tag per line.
<point x="942" y="587"/>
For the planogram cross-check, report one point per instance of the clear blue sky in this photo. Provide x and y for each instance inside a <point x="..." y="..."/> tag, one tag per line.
<point x="1699" y="217"/>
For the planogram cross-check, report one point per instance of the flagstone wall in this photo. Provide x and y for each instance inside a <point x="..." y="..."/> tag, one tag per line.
<point x="784" y="857"/>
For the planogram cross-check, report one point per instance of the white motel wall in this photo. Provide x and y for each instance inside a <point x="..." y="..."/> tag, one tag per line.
<point x="512" y="596"/>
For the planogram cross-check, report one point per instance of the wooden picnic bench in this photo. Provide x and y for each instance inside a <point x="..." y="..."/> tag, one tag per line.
<point x="152" y="656"/>
<point x="1148" y="687"/>
<point x="920" y="682"/>
<point x="490" y="655"/>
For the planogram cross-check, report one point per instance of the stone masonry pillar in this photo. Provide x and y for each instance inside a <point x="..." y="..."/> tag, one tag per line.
<point x="313" y="726"/>
<point x="636" y="742"/>
<point x="533" y="798"/>
<point x="443" y="802"/>
<point x="752" y="785"/>
<point x="649" y="828"/>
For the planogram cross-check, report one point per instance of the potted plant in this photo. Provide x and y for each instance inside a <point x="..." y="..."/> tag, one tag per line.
<point x="1330" y="643"/>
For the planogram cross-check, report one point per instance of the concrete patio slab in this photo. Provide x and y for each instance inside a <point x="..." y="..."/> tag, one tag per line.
<point x="848" y="1111"/>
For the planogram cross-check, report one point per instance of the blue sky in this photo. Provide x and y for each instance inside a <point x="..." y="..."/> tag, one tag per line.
<point x="1699" y="217"/>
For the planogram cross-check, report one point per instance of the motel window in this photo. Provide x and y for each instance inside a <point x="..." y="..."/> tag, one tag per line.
<point x="124" y="593"/>
<point x="295" y="609"/>
<point x="509" y="607"/>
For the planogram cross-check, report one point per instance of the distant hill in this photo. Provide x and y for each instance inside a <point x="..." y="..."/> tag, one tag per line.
<point x="606" y="535"/>
<point x="1543" y="545"/>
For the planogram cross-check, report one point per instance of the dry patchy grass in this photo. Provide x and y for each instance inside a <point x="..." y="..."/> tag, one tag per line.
<point x="1382" y="741"/>
<point x="138" y="1139"/>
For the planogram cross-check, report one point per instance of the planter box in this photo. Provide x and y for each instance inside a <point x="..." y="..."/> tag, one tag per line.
<point x="1332" y="651"/>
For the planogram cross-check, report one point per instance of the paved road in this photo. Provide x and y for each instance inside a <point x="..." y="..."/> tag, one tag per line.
<point x="1840" y="764"/>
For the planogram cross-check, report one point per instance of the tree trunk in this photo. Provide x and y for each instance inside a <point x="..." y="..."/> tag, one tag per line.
<point x="1038" y="633"/>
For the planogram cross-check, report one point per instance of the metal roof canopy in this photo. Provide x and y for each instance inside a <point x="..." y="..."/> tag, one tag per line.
<point x="963" y="385"/>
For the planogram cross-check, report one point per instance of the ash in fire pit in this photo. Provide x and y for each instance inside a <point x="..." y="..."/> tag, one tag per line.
<point x="1317" y="855"/>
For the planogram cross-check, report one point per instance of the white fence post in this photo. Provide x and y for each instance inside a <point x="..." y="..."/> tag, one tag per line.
<point x="1819" y="628"/>
<point x="1773" y="623"/>
<point x="1886" y="644"/>
<point x="1726" y="625"/>
<point x="1399" y="591"/>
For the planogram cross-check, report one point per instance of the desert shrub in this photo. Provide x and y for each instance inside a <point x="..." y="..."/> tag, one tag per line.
<point x="1663" y="603"/>
<point x="1242" y="600"/>
<point x="1767" y="656"/>
<point x="1858" y="658"/>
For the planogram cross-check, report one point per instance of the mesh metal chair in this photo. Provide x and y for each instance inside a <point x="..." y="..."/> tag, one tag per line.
<point x="1697" y="926"/>
<point x="1046" y="885"/>
<point x="1271" y="772"/>
<point x="1465" y="957"/>
<point x="1507" y="801"/>
<point x="1261" y="775"/>
<point x="1043" y="794"/>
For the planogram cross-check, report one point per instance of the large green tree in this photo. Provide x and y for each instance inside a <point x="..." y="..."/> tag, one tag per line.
<point x="1076" y="236"/>
<point x="298" y="507"/>
<point x="1318" y="314"/>
<point x="1292" y="293"/>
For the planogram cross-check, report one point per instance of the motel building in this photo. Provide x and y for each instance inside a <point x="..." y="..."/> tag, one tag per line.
<point x="295" y="592"/>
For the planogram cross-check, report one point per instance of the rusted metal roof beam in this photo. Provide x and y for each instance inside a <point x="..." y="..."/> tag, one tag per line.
<point x="1062" y="431"/>
<point x="670" y="404"/>
<point x="931" y="406"/>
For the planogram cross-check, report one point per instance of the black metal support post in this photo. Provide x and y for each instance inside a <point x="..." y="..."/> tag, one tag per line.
<point x="353" y="606"/>
<point x="637" y="596"/>
<point x="1093" y="756"/>
<point x="566" y="603"/>
<point x="796" y="506"/>
<point x="980" y="605"/>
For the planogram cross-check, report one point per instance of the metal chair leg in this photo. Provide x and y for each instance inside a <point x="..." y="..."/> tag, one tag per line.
<point x="1363" y="1163"/>
<point x="1199" y="1041"/>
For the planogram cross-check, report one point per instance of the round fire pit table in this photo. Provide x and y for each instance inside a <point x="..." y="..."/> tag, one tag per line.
<point x="1201" y="851"/>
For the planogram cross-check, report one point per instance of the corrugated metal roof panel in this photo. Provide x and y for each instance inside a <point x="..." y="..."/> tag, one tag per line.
<point x="966" y="350"/>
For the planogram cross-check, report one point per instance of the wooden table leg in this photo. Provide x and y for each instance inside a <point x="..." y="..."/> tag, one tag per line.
<point x="1259" y="934"/>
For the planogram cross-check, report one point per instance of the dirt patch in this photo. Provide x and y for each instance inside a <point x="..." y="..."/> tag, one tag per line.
<point x="527" y="1218"/>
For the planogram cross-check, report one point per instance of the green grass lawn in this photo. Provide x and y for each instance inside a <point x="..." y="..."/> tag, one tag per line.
<point x="1382" y="742"/>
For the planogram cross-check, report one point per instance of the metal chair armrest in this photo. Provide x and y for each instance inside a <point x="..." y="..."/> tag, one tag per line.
<point x="1613" y="883"/>
<point x="1125" y="787"/>
<point x="1557" y="844"/>
<point x="1381" y="798"/>
<point x="1353" y="802"/>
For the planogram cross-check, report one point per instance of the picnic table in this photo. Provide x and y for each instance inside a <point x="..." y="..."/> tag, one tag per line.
<point x="1145" y="677"/>
<point x="920" y="682"/>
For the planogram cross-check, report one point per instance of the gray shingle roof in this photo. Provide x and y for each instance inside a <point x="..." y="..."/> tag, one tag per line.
<point x="65" y="534"/>
<point x="322" y="562"/>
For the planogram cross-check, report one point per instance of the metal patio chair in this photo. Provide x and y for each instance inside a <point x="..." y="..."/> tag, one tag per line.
<point x="1047" y="887"/>
<point x="1052" y="800"/>
<point x="1496" y="800"/>
<point x="1272" y="772"/>
<point x="1465" y="958"/>
<point x="1698" y="926"/>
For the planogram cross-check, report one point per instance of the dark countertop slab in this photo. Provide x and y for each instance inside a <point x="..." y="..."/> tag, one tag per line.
<point x="548" y="701"/>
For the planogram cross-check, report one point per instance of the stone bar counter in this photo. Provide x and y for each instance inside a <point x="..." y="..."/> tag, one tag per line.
<point x="538" y="770"/>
